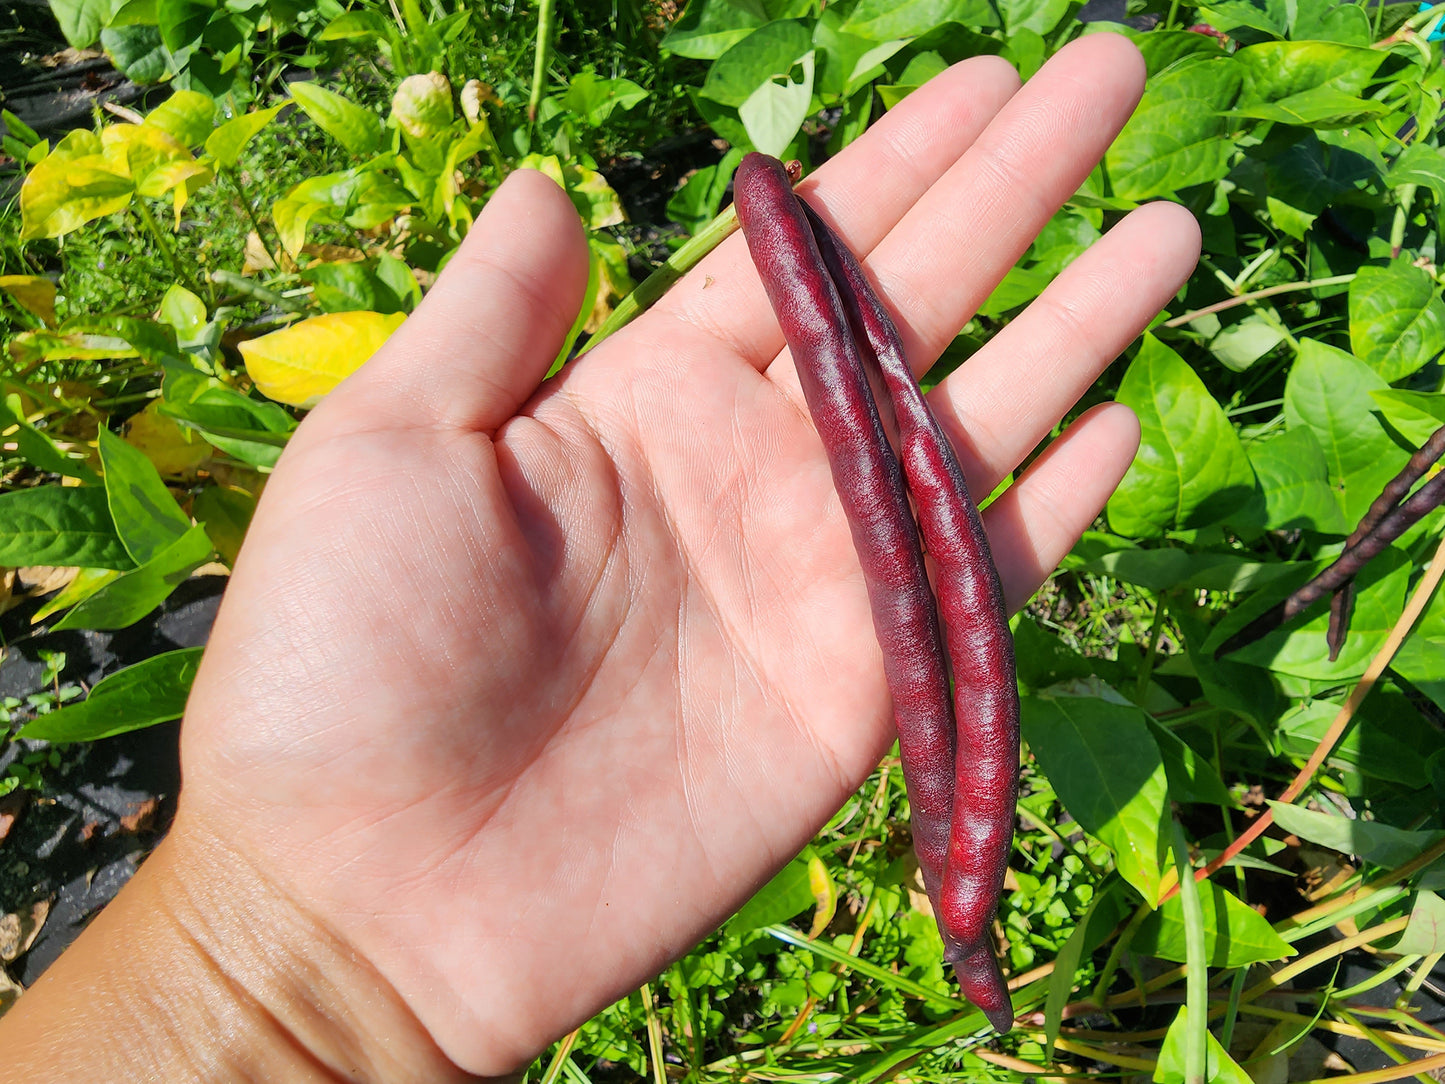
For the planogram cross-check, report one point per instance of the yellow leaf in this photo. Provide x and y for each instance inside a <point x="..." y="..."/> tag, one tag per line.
<point x="33" y="293"/>
<point x="175" y="451"/>
<point x="52" y="204"/>
<point x="825" y="892"/>
<point x="300" y="364"/>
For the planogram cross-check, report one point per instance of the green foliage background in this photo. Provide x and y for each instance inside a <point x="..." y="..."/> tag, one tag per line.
<point x="1293" y="376"/>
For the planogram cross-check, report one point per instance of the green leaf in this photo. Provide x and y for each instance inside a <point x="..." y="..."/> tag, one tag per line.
<point x="1161" y="48"/>
<point x="847" y="61"/>
<point x="86" y="583"/>
<point x="1192" y="778"/>
<point x="1294" y="484"/>
<point x="146" y="516"/>
<point x="774" y="113"/>
<point x="357" y="129"/>
<point x="1271" y="16"/>
<point x="1397" y="320"/>
<point x="709" y="28"/>
<point x="769" y="53"/>
<point x="361" y="23"/>
<point x="1321" y="107"/>
<point x="1390" y="739"/>
<point x="1039" y="16"/>
<point x="1300" y="648"/>
<point x="1275" y="70"/>
<point x="1235" y="934"/>
<point x="1425" y="932"/>
<point x="883" y="20"/>
<point x="1328" y="390"/>
<point x="1109" y="774"/>
<point x="59" y="525"/>
<point x="788" y="894"/>
<point x="594" y="100"/>
<point x="351" y="286"/>
<point x="1176" y="138"/>
<point x="138" y="53"/>
<point x="1316" y="170"/>
<point x="1219" y="1067"/>
<point x="1190" y="470"/>
<point x="81" y="20"/>
<point x="37" y="449"/>
<point x="1175" y="568"/>
<point x="187" y="115"/>
<point x="696" y="203"/>
<point x="150" y="692"/>
<point x="1379" y="844"/>
<point x="1240" y="345"/>
<point x="132" y="595"/>
<point x="226" y="143"/>
<point x="1415" y="415"/>
<point x="1421" y="164"/>
<point x="182" y="22"/>
<point x="1347" y="23"/>
<point x="249" y="430"/>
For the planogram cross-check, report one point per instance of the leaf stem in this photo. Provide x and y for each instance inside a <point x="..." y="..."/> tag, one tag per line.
<point x="658" y="283"/>
<point x="1255" y="295"/>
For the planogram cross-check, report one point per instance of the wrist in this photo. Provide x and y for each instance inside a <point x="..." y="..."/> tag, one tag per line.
<point x="202" y="969"/>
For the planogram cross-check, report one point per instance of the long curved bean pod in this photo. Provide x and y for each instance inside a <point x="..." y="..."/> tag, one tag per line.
<point x="869" y="482"/>
<point x="1393" y="493"/>
<point x="1346" y="567"/>
<point x="980" y="646"/>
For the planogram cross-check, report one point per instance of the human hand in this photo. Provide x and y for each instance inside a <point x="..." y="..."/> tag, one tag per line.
<point x="520" y="692"/>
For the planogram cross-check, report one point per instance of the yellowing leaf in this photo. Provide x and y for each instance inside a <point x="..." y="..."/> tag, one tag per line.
<point x="300" y="364"/>
<point x="176" y="452"/>
<point x="825" y="893"/>
<point x="33" y="293"/>
<point x="53" y="204"/>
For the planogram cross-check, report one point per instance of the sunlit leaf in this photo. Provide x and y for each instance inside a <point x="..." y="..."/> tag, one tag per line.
<point x="300" y="364"/>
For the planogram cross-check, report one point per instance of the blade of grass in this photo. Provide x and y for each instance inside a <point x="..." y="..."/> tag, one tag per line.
<point x="654" y="1036"/>
<point x="1196" y="998"/>
<point x="564" y="1048"/>
<point x="863" y="967"/>
<point x="1329" y="952"/>
<point x="1379" y="1076"/>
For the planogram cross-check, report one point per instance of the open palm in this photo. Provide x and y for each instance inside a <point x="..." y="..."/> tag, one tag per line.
<point x="521" y="692"/>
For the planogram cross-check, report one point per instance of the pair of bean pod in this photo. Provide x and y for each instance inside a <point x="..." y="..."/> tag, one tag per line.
<point x="1389" y="516"/>
<point x="959" y="739"/>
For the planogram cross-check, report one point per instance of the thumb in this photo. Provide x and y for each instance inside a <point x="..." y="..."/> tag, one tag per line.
<point x="480" y="343"/>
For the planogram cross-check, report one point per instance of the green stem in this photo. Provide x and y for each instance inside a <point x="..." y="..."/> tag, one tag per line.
<point x="656" y="284"/>
<point x="1268" y="291"/>
<point x="163" y="243"/>
<point x="1146" y="671"/>
<point x="546" y="18"/>
<point x="1169" y="23"/>
<point x="235" y="179"/>
<point x="1196" y="997"/>
<point x="243" y="285"/>
<point x="1402" y="219"/>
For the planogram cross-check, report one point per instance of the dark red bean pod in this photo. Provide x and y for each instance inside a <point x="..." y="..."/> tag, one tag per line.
<point x="1393" y="493"/>
<point x="975" y="620"/>
<point x="869" y="483"/>
<point x="1346" y="566"/>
